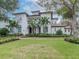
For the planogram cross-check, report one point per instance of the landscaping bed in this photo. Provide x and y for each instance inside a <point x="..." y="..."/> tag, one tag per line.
<point x="6" y="40"/>
<point x="46" y="35"/>
<point x="72" y="40"/>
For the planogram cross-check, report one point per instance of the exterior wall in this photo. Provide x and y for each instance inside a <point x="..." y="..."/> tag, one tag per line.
<point x="23" y="22"/>
<point x="64" y="30"/>
<point x="4" y="24"/>
<point x="67" y="31"/>
<point x="55" y="29"/>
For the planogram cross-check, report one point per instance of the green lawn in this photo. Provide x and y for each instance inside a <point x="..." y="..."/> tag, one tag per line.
<point x="39" y="48"/>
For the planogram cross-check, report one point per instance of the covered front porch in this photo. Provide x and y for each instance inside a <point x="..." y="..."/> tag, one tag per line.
<point x="34" y="30"/>
<point x="38" y="30"/>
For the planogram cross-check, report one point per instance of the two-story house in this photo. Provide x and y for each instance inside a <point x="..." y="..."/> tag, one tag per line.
<point x="51" y="28"/>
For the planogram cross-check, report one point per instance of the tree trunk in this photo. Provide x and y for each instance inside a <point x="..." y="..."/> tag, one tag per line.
<point x="71" y="33"/>
<point x="33" y="31"/>
<point x="74" y="27"/>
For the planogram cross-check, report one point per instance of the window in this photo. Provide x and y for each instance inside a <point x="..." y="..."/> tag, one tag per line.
<point x="65" y="30"/>
<point x="68" y="30"/>
<point x="55" y="29"/>
<point x="54" y="12"/>
<point x="20" y="18"/>
<point x="19" y="28"/>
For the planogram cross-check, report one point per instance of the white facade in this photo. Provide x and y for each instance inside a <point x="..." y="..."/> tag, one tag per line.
<point x="63" y="28"/>
<point x="52" y="27"/>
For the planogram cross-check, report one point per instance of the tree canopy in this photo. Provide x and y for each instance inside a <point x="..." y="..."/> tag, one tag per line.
<point x="45" y="4"/>
<point x="66" y="8"/>
<point x="7" y="6"/>
<point x="69" y="9"/>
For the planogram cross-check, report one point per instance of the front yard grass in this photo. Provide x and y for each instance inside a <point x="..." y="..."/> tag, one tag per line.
<point x="39" y="48"/>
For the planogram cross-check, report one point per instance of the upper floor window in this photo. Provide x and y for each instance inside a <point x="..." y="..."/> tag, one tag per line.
<point x="19" y="28"/>
<point x="20" y="18"/>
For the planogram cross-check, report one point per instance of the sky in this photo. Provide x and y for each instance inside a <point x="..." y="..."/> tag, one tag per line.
<point x="28" y="6"/>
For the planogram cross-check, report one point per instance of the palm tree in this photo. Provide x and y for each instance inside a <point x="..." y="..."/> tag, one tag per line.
<point x="12" y="25"/>
<point x="43" y="21"/>
<point x="33" y="24"/>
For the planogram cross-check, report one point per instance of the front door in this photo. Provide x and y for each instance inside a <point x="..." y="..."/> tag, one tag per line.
<point x="30" y="30"/>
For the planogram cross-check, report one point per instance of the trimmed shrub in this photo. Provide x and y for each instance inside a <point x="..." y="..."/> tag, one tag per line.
<point x="72" y="40"/>
<point x="3" y="40"/>
<point x="4" y="32"/>
<point x="61" y="35"/>
<point x="59" y="32"/>
<point x="39" y="35"/>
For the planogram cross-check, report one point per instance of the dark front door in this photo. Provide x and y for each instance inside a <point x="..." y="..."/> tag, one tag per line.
<point x="30" y="30"/>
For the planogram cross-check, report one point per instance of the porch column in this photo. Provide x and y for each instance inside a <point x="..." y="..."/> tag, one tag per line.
<point x="49" y="29"/>
<point x="41" y="29"/>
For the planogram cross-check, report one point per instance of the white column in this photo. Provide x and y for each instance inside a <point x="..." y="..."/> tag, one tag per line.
<point x="41" y="29"/>
<point x="49" y="29"/>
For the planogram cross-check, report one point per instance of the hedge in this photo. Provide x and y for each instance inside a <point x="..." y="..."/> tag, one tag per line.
<point x="72" y="40"/>
<point x="46" y="35"/>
